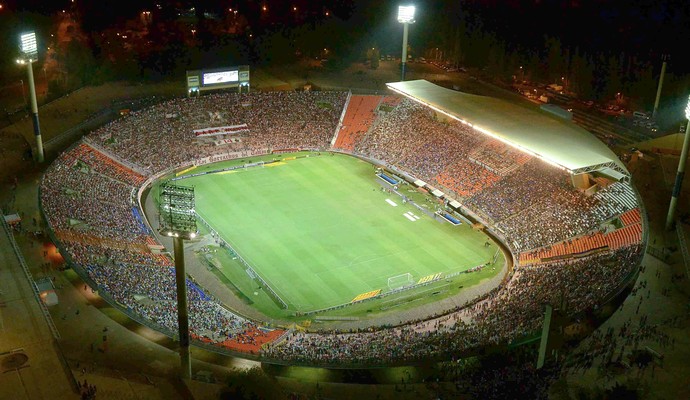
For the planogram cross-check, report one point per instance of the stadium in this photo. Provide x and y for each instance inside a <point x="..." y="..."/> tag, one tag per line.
<point x="306" y="254"/>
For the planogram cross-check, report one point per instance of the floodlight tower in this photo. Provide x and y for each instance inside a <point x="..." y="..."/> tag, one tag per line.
<point x="29" y="53"/>
<point x="681" y="172"/>
<point x="177" y="220"/>
<point x="405" y="17"/>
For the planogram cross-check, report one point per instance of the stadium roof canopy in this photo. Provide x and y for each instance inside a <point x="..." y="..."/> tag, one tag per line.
<point x="555" y="140"/>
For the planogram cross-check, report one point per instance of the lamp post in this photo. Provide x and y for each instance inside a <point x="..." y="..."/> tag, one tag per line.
<point x="405" y="17"/>
<point x="681" y="171"/>
<point x="177" y="219"/>
<point x="29" y="53"/>
<point x="21" y="81"/>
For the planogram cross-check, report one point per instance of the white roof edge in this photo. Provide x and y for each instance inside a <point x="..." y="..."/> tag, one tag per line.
<point x="528" y="129"/>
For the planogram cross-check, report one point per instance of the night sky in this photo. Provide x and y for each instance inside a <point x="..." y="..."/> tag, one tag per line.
<point x="647" y="28"/>
<point x="621" y="43"/>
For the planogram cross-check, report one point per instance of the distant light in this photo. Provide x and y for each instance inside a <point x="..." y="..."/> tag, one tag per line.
<point x="294" y="8"/>
<point x="170" y="233"/>
<point x="406" y="14"/>
<point x="327" y="13"/>
<point x="264" y="8"/>
<point x="192" y="235"/>
<point x="687" y="110"/>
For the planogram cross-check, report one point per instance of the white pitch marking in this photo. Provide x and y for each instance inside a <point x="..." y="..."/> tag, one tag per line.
<point x="411" y="218"/>
<point x="391" y="202"/>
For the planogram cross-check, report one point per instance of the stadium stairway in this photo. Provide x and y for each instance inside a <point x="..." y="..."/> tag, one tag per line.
<point x="629" y="234"/>
<point x="359" y="116"/>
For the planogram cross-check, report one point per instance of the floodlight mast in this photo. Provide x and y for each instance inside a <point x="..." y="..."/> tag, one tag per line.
<point x="29" y="53"/>
<point x="405" y="17"/>
<point x="177" y="219"/>
<point x="681" y="172"/>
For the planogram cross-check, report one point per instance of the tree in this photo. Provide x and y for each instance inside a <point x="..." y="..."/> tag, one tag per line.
<point x="79" y="63"/>
<point x="373" y="55"/>
<point x="555" y="62"/>
<point x="582" y="76"/>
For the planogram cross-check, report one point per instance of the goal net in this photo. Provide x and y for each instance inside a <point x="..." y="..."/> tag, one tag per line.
<point x="259" y="164"/>
<point x="400" y="281"/>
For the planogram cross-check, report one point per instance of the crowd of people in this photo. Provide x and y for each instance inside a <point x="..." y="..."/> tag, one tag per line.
<point x="88" y="200"/>
<point x="149" y="291"/>
<point x="489" y="177"/>
<point x="162" y="136"/>
<point x="512" y="311"/>
<point x="75" y="196"/>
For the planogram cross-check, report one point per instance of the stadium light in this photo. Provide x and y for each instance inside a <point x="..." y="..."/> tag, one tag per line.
<point x="681" y="172"/>
<point x="28" y="48"/>
<point x="406" y="14"/>
<point x="177" y="219"/>
<point x="405" y="17"/>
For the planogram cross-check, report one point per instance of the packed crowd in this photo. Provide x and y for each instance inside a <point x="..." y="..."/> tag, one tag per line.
<point x="74" y="196"/>
<point x="162" y="136"/>
<point x="87" y="198"/>
<point x="149" y="291"/>
<point x="512" y="311"/>
<point x="410" y="138"/>
<point x="512" y="190"/>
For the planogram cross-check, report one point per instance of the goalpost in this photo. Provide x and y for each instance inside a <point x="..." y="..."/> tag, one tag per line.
<point x="254" y="164"/>
<point x="400" y="281"/>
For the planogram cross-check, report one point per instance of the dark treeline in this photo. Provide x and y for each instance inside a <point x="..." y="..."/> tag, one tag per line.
<point x="596" y="49"/>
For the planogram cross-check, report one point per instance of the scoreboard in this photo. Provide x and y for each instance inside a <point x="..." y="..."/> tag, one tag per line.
<point x="218" y="78"/>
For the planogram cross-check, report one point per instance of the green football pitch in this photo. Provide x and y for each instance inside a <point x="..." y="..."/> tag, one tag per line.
<point x="320" y="231"/>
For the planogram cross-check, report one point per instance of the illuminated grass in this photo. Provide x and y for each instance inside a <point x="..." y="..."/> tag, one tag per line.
<point x="320" y="231"/>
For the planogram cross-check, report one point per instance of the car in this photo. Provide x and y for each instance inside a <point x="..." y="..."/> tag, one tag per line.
<point x="640" y="115"/>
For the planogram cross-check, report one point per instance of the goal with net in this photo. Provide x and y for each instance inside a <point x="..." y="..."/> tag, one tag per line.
<point x="400" y="281"/>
